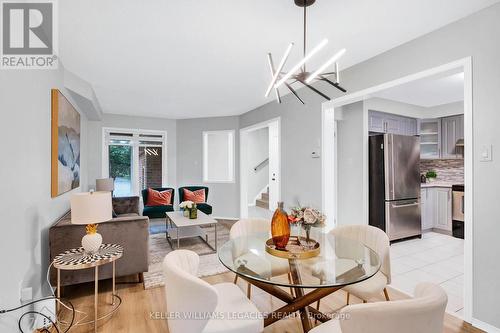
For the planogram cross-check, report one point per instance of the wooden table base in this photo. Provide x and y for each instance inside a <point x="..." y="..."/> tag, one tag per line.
<point x="300" y="302"/>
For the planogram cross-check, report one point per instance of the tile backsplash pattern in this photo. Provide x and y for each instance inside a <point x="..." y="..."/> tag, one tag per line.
<point x="447" y="170"/>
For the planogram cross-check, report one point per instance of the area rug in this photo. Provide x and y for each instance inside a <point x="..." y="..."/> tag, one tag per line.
<point x="209" y="262"/>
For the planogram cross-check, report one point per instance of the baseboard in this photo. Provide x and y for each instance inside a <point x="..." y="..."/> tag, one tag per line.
<point x="484" y="326"/>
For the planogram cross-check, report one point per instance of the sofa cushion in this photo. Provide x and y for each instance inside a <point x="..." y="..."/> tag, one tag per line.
<point x="157" y="211"/>
<point x="197" y="196"/>
<point x="157" y="198"/>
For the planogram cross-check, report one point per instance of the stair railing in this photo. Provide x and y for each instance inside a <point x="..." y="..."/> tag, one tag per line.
<point x="261" y="165"/>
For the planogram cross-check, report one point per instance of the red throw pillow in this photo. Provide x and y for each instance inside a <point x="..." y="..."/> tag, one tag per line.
<point x="197" y="196"/>
<point x="156" y="198"/>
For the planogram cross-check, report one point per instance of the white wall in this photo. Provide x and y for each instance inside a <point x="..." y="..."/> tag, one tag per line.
<point x="223" y="196"/>
<point x="27" y="209"/>
<point x="413" y="111"/>
<point x="444" y="110"/>
<point x="351" y="165"/>
<point x="257" y="150"/>
<point x="130" y="122"/>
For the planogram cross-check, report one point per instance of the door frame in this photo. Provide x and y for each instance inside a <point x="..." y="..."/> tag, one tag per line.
<point x="243" y="162"/>
<point x="329" y="185"/>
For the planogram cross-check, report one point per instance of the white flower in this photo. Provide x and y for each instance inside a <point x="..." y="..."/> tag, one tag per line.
<point x="186" y="204"/>
<point x="309" y="216"/>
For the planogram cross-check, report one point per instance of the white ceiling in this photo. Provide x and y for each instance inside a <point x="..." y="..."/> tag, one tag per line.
<point x="191" y="58"/>
<point x="428" y="92"/>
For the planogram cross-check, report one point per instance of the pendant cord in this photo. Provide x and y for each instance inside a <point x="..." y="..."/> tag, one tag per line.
<point x="305" y="33"/>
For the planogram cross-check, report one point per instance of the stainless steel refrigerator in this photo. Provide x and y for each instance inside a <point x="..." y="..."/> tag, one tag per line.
<point x="394" y="185"/>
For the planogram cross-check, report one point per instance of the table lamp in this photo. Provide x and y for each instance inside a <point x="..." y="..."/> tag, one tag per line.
<point x="91" y="208"/>
<point x="105" y="185"/>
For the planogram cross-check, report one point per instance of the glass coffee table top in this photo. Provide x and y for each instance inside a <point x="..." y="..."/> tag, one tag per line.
<point x="341" y="262"/>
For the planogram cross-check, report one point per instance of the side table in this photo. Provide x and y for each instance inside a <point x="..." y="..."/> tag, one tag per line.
<point x="76" y="259"/>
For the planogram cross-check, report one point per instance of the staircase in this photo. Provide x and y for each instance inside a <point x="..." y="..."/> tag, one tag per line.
<point x="263" y="202"/>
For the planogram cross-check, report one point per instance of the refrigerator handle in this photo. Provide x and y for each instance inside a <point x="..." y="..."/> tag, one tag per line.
<point x="406" y="205"/>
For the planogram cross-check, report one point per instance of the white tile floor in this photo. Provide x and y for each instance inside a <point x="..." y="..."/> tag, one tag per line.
<point x="435" y="258"/>
<point x="258" y="212"/>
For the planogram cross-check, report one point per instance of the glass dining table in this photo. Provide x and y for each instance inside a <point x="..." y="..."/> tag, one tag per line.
<point x="341" y="262"/>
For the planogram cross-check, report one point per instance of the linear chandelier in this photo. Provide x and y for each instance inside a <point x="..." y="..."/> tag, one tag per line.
<point x="299" y="73"/>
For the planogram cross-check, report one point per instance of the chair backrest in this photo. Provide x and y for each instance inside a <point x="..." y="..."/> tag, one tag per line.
<point x="192" y="189"/>
<point x="247" y="227"/>
<point x="424" y="313"/>
<point x="375" y="238"/>
<point x="186" y="294"/>
<point x="159" y="189"/>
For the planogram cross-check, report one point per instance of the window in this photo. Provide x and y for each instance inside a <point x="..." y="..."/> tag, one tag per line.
<point x="136" y="159"/>
<point x="218" y="156"/>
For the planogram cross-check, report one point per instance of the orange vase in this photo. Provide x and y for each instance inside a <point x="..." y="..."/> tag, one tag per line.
<point x="280" y="227"/>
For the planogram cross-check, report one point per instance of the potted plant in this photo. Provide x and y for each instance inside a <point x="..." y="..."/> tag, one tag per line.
<point x="307" y="217"/>
<point x="431" y="175"/>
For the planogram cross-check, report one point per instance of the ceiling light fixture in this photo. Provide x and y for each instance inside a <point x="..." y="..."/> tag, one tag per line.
<point x="298" y="73"/>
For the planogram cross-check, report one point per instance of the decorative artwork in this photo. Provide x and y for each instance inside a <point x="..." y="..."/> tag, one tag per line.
<point x="65" y="157"/>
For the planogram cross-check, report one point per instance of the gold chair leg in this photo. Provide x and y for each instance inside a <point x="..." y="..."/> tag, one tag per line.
<point x="386" y="294"/>
<point x="235" y="279"/>
<point x="348" y="298"/>
<point x="249" y="290"/>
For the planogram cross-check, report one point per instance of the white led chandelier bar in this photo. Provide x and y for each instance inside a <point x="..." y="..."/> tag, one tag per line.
<point x="298" y="72"/>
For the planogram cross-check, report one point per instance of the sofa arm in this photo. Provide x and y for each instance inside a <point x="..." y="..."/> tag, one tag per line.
<point x="126" y="205"/>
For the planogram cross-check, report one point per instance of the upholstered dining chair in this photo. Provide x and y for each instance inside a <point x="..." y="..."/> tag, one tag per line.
<point x="377" y="240"/>
<point x="248" y="227"/>
<point x="186" y="295"/>
<point x="423" y="313"/>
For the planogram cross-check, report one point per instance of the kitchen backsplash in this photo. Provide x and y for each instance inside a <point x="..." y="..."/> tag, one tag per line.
<point x="447" y="170"/>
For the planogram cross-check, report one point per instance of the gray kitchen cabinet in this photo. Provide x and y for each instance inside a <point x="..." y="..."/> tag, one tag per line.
<point x="380" y="122"/>
<point x="427" y="208"/>
<point x="376" y="122"/>
<point x="430" y="138"/>
<point x="435" y="205"/>
<point x="452" y="129"/>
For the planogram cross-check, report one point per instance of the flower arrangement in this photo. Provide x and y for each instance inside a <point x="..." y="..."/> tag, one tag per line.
<point x="190" y="209"/>
<point x="186" y="204"/>
<point x="308" y="216"/>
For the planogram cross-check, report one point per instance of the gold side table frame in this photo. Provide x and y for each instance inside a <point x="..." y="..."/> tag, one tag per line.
<point x="76" y="259"/>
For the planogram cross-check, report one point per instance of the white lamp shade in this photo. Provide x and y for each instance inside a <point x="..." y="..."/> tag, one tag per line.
<point x="105" y="184"/>
<point x="91" y="208"/>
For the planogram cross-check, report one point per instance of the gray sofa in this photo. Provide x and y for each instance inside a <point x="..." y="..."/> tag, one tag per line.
<point x="129" y="229"/>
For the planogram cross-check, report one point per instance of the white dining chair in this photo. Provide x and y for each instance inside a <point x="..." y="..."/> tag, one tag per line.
<point x="377" y="240"/>
<point x="192" y="300"/>
<point x="423" y="313"/>
<point x="249" y="227"/>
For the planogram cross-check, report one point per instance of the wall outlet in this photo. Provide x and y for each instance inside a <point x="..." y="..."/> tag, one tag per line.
<point x="48" y="308"/>
<point x="26" y="294"/>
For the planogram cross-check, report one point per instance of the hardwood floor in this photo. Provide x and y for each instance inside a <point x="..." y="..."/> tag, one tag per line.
<point x="140" y="307"/>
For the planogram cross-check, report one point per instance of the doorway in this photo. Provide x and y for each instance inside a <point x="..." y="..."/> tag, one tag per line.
<point x="449" y="123"/>
<point x="260" y="169"/>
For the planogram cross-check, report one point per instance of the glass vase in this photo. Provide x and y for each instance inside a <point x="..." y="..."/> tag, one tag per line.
<point x="193" y="213"/>
<point x="280" y="227"/>
<point x="306" y="241"/>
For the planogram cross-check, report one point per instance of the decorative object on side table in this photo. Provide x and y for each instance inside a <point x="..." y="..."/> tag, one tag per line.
<point x="431" y="175"/>
<point x="189" y="209"/>
<point x="307" y="217"/>
<point x="280" y="227"/>
<point x="91" y="208"/>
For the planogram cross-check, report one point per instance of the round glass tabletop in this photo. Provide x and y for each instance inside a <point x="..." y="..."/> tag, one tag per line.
<point x="342" y="261"/>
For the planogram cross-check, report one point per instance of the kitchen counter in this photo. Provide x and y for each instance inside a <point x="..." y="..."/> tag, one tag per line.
<point x="436" y="184"/>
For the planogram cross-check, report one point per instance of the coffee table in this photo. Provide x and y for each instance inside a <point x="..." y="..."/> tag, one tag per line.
<point x="180" y="227"/>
